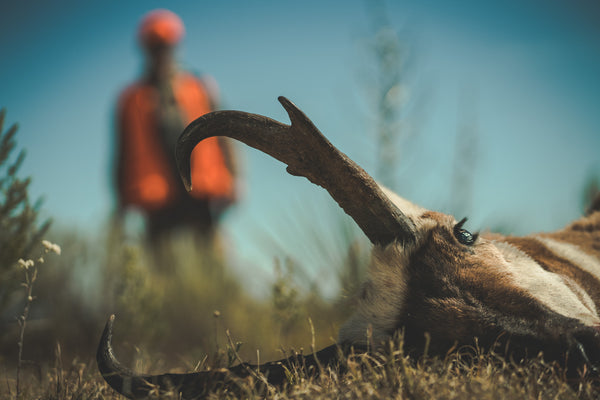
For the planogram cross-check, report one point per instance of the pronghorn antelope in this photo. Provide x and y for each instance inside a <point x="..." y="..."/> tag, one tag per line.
<point x="428" y="274"/>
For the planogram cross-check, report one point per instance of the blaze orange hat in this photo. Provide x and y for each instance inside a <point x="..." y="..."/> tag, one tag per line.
<point x="161" y="27"/>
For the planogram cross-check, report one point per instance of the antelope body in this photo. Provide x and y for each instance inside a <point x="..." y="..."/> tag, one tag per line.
<point x="428" y="274"/>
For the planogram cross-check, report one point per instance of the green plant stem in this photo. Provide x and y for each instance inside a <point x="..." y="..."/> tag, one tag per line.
<point x="22" y="323"/>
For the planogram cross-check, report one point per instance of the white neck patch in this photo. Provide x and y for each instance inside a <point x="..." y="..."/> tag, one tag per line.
<point x="383" y="297"/>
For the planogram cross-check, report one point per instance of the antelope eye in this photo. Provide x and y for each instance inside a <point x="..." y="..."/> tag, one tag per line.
<point x="462" y="235"/>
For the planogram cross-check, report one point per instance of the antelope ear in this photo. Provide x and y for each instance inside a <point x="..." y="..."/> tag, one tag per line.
<point x="594" y="205"/>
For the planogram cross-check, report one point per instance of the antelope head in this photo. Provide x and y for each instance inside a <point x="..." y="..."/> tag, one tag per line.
<point x="429" y="277"/>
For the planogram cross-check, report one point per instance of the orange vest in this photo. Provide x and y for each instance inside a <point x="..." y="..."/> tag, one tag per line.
<point x="145" y="174"/>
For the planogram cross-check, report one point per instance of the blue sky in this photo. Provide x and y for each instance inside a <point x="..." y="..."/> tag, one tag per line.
<point x="533" y="67"/>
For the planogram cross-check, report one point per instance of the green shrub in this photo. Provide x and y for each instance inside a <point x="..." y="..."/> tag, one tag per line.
<point x="19" y="229"/>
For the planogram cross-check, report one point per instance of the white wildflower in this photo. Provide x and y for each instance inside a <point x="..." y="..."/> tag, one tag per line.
<point x="26" y="264"/>
<point x="56" y="249"/>
<point x="51" y="247"/>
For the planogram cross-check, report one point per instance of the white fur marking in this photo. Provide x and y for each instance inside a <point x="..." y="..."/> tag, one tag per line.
<point x="560" y="294"/>
<point x="574" y="254"/>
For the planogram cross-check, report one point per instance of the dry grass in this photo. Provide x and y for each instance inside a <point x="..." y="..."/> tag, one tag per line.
<point x="166" y="322"/>
<point x="393" y="376"/>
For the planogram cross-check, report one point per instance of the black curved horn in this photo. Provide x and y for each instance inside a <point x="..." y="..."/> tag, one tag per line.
<point x="198" y="384"/>
<point x="307" y="153"/>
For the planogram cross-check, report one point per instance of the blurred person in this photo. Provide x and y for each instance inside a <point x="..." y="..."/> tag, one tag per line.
<point x="151" y="114"/>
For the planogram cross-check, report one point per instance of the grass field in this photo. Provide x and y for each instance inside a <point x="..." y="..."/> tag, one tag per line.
<point x="176" y="320"/>
<point x="378" y="377"/>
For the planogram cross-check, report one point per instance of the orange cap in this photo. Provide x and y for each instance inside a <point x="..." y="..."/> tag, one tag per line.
<point x="161" y="27"/>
